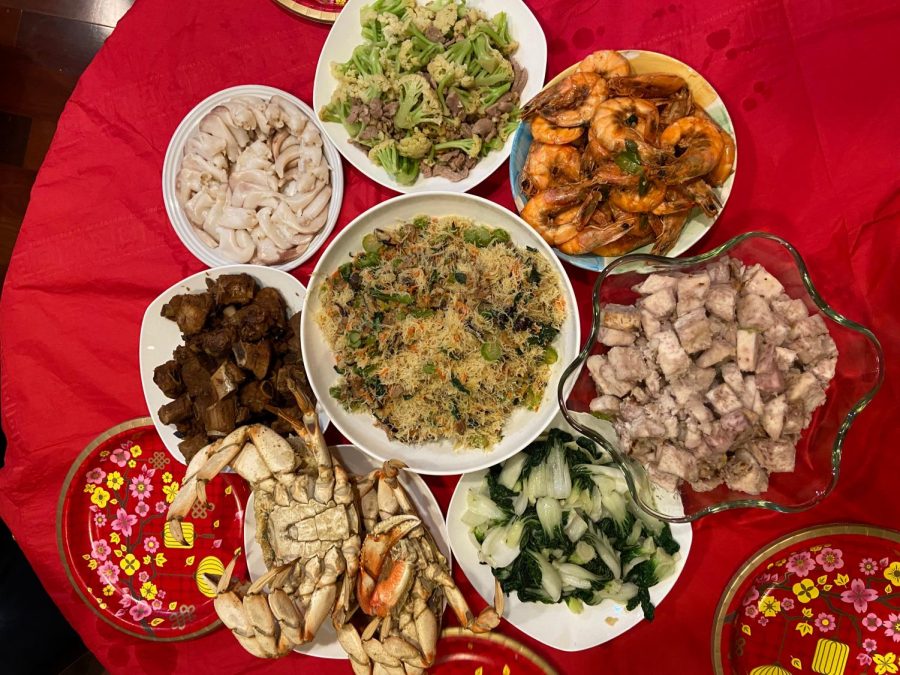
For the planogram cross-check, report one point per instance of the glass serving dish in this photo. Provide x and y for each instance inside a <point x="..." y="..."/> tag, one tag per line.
<point x="858" y="376"/>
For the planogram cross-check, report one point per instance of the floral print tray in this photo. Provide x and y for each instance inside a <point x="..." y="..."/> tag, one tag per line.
<point x="115" y="546"/>
<point x="823" y="600"/>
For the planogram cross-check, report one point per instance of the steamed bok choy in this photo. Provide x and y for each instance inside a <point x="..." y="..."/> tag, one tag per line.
<point x="556" y="523"/>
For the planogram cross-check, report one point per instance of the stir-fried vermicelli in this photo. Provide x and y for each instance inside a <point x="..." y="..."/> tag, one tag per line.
<point x="441" y="328"/>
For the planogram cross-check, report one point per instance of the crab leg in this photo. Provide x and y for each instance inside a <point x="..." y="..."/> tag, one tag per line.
<point x="487" y="619"/>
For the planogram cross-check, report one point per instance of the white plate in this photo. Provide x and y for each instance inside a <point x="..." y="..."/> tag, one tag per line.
<point x="325" y="644"/>
<point x="433" y="458"/>
<point x="160" y="336"/>
<point x="698" y="224"/>
<point x="183" y="227"/>
<point x="345" y="36"/>
<point x="553" y="625"/>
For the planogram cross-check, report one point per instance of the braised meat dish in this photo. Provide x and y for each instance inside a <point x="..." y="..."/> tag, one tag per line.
<point x="240" y="351"/>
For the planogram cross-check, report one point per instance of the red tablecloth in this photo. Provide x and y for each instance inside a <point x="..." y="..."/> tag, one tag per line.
<point x="811" y="87"/>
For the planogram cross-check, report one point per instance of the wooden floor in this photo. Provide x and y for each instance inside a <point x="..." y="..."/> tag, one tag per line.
<point x="45" y="45"/>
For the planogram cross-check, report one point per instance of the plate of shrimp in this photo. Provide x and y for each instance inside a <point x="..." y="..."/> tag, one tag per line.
<point x="623" y="151"/>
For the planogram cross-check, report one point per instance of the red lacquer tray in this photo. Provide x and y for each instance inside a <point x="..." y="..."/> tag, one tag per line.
<point x="116" y="550"/>
<point x="822" y="600"/>
<point x="325" y="11"/>
<point x="460" y="652"/>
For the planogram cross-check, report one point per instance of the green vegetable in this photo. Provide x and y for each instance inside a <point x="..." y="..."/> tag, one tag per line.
<point x="459" y="385"/>
<point x="471" y="146"/>
<point x="491" y="351"/>
<point x="629" y="160"/>
<point x="371" y="244"/>
<point x="550" y="355"/>
<point x="421" y="222"/>
<point x="346" y="270"/>
<point x="500" y="235"/>
<point x="367" y="260"/>
<point x="429" y="369"/>
<point x="336" y="393"/>
<point x="460" y="277"/>
<point x="402" y="298"/>
<point x="419" y="103"/>
<point x="354" y="338"/>
<point x="386" y="154"/>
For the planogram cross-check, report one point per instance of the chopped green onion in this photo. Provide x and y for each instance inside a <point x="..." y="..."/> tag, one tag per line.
<point x="354" y="338"/>
<point x="371" y="244"/>
<point x="491" y="351"/>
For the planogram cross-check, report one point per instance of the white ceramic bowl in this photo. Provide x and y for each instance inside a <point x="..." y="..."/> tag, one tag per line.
<point x="183" y="227"/>
<point x="642" y="61"/>
<point x="432" y="458"/>
<point x="345" y="36"/>
<point x="553" y="625"/>
<point x="325" y="644"/>
<point x="160" y="336"/>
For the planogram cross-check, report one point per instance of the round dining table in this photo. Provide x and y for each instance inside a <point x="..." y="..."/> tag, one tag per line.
<point x="814" y="112"/>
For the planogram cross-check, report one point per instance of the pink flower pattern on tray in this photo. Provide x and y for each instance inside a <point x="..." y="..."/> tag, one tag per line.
<point x="808" y="594"/>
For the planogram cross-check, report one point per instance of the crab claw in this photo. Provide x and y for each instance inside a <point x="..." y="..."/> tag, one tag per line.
<point x="373" y="557"/>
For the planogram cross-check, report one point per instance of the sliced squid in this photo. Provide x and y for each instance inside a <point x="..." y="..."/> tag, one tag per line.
<point x="254" y="181"/>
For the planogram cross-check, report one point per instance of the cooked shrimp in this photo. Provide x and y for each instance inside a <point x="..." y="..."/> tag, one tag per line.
<point x="647" y="85"/>
<point x="639" y="234"/>
<point x="680" y="104"/>
<point x="630" y="198"/>
<point x="541" y="211"/>
<point x="675" y="201"/>
<point x="606" y="62"/>
<point x="697" y="146"/>
<point x="581" y="113"/>
<point x="609" y="173"/>
<point x="600" y="230"/>
<point x="622" y="119"/>
<point x="726" y="161"/>
<point x="571" y="102"/>
<point x="548" y="166"/>
<point x="703" y="195"/>
<point x="667" y="229"/>
<point x="544" y="131"/>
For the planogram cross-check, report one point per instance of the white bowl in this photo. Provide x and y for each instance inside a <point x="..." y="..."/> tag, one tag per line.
<point x="160" y="336"/>
<point x="345" y="36"/>
<point x="553" y="625"/>
<point x="522" y="427"/>
<point x="183" y="227"/>
<point x="325" y="644"/>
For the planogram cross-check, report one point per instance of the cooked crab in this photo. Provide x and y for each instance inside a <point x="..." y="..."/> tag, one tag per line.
<point x="308" y="529"/>
<point x="404" y="584"/>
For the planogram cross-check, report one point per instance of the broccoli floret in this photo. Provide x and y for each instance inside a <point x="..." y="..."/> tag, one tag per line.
<point x="497" y="29"/>
<point x="402" y="169"/>
<point x="416" y="145"/>
<point x="419" y="103"/>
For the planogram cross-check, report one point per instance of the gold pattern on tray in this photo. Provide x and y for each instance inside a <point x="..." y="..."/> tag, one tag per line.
<point x="501" y="639"/>
<point x="324" y="16"/>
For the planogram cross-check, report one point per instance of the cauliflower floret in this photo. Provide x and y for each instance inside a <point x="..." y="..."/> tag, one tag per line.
<point x="445" y="73"/>
<point x="415" y="146"/>
<point x="418" y="103"/>
<point x="394" y="28"/>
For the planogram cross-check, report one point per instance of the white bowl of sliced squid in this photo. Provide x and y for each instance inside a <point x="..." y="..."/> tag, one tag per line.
<point x="250" y="177"/>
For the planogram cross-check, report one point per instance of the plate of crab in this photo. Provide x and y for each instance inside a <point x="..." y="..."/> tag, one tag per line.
<point x="623" y="151"/>
<point x="347" y="557"/>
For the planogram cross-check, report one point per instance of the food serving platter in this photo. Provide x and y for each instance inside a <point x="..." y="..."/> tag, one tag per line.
<point x="824" y="599"/>
<point x="344" y="38"/>
<point x="159" y="336"/>
<point x="641" y="62"/>
<point x="433" y="458"/>
<point x="325" y="11"/>
<point x="461" y="652"/>
<point x="172" y="162"/>
<point x="554" y="624"/>
<point x="325" y="644"/>
<point x="116" y="550"/>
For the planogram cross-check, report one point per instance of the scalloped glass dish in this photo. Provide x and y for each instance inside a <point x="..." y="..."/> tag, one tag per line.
<point x="858" y="376"/>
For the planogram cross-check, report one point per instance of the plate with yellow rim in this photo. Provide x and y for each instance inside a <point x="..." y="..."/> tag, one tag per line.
<point x="825" y="599"/>
<point x="117" y="550"/>
<point x="324" y="11"/>
<point x="642" y="61"/>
